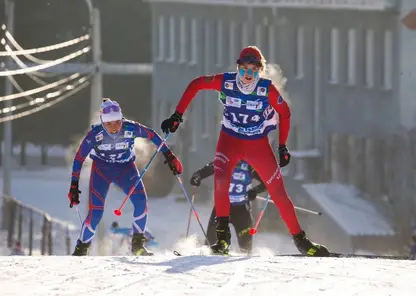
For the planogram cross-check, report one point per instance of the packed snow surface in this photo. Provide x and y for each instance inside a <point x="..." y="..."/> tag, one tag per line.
<point x="167" y="274"/>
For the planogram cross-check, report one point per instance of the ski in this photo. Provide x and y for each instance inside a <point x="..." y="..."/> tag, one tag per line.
<point x="348" y="255"/>
<point x="176" y="253"/>
<point x="332" y="255"/>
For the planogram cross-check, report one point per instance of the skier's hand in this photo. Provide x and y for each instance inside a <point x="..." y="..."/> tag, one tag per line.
<point x="172" y="123"/>
<point x="174" y="163"/>
<point x="73" y="194"/>
<point x="196" y="180"/>
<point x="251" y="194"/>
<point x="284" y="156"/>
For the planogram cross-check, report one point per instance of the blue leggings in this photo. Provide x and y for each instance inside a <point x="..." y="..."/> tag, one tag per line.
<point x="124" y="176"/>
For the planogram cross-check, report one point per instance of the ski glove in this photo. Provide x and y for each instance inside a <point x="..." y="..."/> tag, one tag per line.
<point x="173" y="162"/>
<point x="284" y="156"/>
<point x="73" y="194"/>
<point x="196" y="179"/>
<point x="252" y="194"/>
<point x="172" y="123"/>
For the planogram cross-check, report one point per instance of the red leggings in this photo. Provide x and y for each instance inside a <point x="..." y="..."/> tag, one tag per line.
<point x="259" y="154"/>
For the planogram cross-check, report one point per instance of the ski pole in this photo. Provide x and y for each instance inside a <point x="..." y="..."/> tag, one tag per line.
<point x="297" y="208"/>
<point x="79" y="215"/>
<point x="71" y="205"/>
<point x="192" y="208"/>
<point x="118" y="212"/>
<point x="253" y="231"/>
<point x="190" y="213"/>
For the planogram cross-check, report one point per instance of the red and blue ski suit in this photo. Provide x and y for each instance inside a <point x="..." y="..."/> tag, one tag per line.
<point x="247" y="119"/>
<point x="113" y="162"/>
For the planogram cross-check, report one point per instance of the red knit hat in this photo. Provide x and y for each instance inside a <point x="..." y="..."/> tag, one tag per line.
<point x="250" y="55"/>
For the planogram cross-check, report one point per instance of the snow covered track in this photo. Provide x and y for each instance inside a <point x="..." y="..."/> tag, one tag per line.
<point x="204" y="275"/>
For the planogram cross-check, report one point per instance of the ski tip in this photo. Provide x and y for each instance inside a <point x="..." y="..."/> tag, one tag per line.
<point x="177" y="253"/>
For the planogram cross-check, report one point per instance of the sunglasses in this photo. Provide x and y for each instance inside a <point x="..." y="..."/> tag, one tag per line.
<point x="250" y="72"/>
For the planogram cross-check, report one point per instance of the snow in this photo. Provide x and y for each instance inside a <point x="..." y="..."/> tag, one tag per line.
<point x="166" y="274"/>
<point x="353" y="214"/>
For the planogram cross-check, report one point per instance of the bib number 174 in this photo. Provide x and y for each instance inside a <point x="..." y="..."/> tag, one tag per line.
<point x="244" y="118"/>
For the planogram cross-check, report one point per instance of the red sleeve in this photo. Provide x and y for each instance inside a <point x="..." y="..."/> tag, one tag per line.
<point x="213" y="82"/>
<point x="282" y="108"/>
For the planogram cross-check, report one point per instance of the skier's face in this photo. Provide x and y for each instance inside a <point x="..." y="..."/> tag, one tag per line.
<point x="113" y="127"/>
<point x="248" y="72"/>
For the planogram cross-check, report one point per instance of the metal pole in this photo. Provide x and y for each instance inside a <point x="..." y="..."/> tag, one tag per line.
<point x="96" y="88"/>
<point x="8" y="140"/>
<point x="96" y="97"/>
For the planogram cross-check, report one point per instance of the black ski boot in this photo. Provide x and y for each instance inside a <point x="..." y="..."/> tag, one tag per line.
<point x="137" y="245"/>
<point x="81" y="249"/>
<point x="223" y="242"/>
<point x="308" y="248"/>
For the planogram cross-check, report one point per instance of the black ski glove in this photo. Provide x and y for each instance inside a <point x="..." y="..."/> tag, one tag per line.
<point x="252" y="194"/>
<point x="196" y="179"/>
<point x="173" y="162"/>
<point x="172" y="123"/>
<point x="73" y="194"/>
<point x="284" y="156"/>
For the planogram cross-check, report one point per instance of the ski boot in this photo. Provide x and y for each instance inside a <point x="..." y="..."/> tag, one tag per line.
<point x="223" y="242"/>
<point x="137" y="245"/>
<point x="308" y="248"/>
<point x="81" y="249"/>
<point x="245" y="241"/>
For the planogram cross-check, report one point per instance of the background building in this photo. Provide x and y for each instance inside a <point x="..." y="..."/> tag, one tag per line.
<point x="349" y="66"/>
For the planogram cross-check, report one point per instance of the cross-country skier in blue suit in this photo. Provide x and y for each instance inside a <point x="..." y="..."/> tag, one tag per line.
<point x="127" y="232"/>
<point x="241" y="194"/>
<point x="110" y="145"/>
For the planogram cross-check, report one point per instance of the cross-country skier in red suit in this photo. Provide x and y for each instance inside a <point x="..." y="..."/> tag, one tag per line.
<point x="250" y="106"/>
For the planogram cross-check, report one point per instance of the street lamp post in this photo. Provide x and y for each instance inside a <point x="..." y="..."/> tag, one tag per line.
<point x="95" y="34"/>
<point x="8" y="137"/>
<point x="96" y="89"/>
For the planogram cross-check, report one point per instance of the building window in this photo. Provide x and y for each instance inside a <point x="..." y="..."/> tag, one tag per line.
<point x="206" y="115"/>
<point x="172" y="39"/>
<point x="220" y="38"/>
<point x="194" y="41"/>
<point x="259" y="36"/>
<point x="244" y="35"/>
<point x="194" y="127"/>
<point x="161" y="111"/>
<point x="207" y="69"/>
<point x="272" y="45"/>
<point x="352" y="56"/>
<point x="207" y="46"/>
<point x="231" y="43"/>
<point x="369" y="58"/>
<point x="300" y="45"/>
<point x="182" y="39"/>
<point x="334" y="56"/>
<point x="161" y="40"/>
<point x="388" y="60"/>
